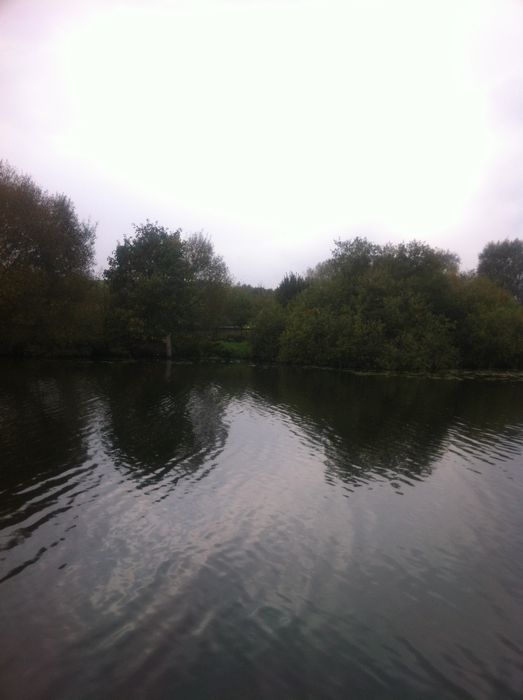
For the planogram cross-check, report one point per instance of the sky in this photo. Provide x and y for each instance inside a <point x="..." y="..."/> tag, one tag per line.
<point x="274" y="126"/>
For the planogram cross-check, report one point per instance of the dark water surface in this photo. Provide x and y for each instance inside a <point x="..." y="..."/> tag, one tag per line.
<point x="241" y="532"/>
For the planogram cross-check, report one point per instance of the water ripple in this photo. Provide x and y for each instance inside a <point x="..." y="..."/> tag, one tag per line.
<point x="243" y="532"/>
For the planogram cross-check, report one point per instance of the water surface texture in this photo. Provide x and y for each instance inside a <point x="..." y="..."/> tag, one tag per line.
<point x="170" y="531"/>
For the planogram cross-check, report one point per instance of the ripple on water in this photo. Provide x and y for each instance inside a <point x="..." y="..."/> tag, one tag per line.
<point x="229" y="532"/>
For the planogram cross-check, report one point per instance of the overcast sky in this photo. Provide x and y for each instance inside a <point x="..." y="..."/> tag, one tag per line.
<point x="275" y="126"/>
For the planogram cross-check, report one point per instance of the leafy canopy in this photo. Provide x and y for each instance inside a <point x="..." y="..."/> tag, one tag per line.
<point x="46" y="256"/>
<point x="502" y="262"/>
<point x="160" y="283"/>
<point x="41" y="231"/>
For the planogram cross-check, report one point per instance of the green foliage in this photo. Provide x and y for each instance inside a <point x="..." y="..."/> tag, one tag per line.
<point x="232" y="350"/>
<point x="311" y="337"/>
<point x="400" y="307"/>
<point x="239" y="306"/>
<point x="489" y="325"/>
<point x="243" y="303"/>
<point x="502" y="262"/>
<point x="47" y="295"/>
<point x="392" y="307"/>
<point x="268" y="327"/>
<point x="373" y="332"/>
<point x="353" y="258"/>
<point x="147" y="280"/>
<point x="160" y="285"/>
<point x="414" y="337"/>
<point x="208" y="282"/>
<point x="375" y="307"/>
<point x="39" y="231"/>
<point x="289" y="288"/>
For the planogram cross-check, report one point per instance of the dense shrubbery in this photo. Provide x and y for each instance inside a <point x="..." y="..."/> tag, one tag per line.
<point x="401" y="307"/>
<point x="369" y="307"/>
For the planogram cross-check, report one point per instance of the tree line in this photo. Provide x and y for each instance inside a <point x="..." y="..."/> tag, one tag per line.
<point x="400" y="306"/>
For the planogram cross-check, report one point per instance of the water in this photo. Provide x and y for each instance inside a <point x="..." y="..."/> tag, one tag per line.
<point x="169" y="531"/>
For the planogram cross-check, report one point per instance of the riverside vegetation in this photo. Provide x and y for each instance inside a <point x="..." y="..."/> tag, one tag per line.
<point x="404" y="306"/>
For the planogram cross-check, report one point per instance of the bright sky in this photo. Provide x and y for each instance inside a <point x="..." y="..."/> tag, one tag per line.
<point x="275" y="126"/>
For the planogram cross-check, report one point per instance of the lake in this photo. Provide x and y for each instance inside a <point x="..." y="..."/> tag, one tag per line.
<point x="232" y="531"/>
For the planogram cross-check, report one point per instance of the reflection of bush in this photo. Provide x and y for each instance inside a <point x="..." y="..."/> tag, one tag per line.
<point x="390" y="426"/>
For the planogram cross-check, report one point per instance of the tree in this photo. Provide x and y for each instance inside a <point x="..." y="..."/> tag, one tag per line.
<point x="502" y="262"/>
<point x="289" y="288"/>
<point x="46" y="256"/>
<point x="40" y="231"/>
<point x="244" y="302"/>
<point x="160" y="284"/>
<point x="354" y="256"/>
<point x="239" y="306"/>
<point x="268" y="327"/>
<point x="147" y="278"/>
<point x="375" y="307"/>
<point x="488" y="324"/>
<point x="208" y="281"/>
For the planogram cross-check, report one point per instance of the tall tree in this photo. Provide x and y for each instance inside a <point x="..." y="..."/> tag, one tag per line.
<point x="46" y="255"/>
<point x="160" y="284"/>
<point x="41" y="231"/>
<point x="147" y="279"/>
<point x="208" y="281"/>
<point x="502" y="262"/>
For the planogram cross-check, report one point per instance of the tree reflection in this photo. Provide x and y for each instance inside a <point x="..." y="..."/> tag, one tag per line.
<point x="44" y="415"/>
<point x="165" y="421"/>
<point x="394" y="427"/>
<point x="162" y="419"/>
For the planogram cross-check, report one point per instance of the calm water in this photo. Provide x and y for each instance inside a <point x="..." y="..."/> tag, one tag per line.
<point x="241" y="532"/>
